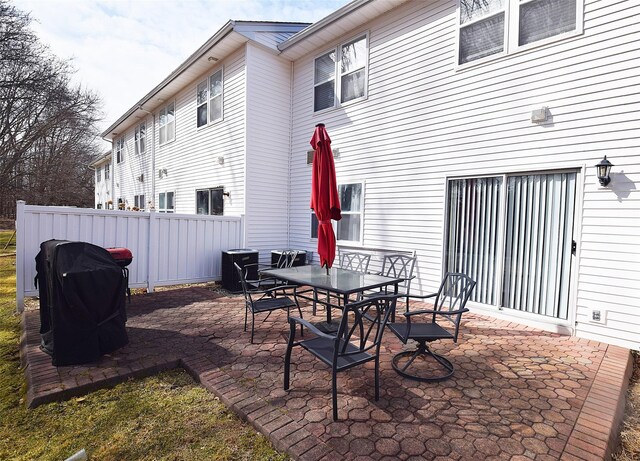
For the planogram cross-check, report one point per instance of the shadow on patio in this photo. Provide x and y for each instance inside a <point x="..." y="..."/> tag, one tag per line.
<point x="517" y="393"/>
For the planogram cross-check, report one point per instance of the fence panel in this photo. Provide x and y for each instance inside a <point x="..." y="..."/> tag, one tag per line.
<point x="167" y="248"/>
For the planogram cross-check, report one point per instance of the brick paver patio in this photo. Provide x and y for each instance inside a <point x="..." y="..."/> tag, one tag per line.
<point x="518" y="393"/>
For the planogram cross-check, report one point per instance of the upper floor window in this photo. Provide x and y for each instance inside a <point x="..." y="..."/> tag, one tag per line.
<point x="341" y="75"/>
<point x="139" y="138"/>
<point x="167" y="123"/>
<point x="107" y="171"/>
<point x="98" y="174"/>
<point x="209" y="99"/>
<point x="491" y="27"/>
<point x="120" y="150"/>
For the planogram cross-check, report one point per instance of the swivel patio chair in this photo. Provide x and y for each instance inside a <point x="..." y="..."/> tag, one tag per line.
<point x="356" y="342"/>
<point x="425" y="326"/>
<point x="261" y="301"/>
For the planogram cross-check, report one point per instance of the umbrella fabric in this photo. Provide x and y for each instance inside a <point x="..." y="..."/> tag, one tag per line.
<point x="324" y="194"/>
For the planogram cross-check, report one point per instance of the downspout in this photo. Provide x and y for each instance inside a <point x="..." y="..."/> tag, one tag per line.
<point x="290" y="161"/>
<point x="153" y="156"/>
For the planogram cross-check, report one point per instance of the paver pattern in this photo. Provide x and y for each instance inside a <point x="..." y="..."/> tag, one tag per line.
<point x="517" y="393"/>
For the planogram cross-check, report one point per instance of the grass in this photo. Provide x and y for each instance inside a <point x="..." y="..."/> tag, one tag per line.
<point x="165" y="417"/>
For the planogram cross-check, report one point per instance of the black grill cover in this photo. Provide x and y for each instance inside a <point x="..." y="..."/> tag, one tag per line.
<point x="82" y="302"/>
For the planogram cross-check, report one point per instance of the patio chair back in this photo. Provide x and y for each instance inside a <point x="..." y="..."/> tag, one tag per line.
<point x="453" y="294"/>
<point x="286" y="259"/>
<point x="354" y="261"/>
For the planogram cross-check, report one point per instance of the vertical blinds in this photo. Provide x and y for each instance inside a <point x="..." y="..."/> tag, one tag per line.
<point x="531" y="271"/>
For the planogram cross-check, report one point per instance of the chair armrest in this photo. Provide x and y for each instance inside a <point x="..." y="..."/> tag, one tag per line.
<point x="431" y="311"/>
<point x="310" y="326"/>
<point x="421" y="296"/>
<point x="278" y="288"/>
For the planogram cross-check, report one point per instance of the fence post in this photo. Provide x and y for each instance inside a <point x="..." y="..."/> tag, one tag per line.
<point x="20" y="229"/>
<point x="152" y="251"/>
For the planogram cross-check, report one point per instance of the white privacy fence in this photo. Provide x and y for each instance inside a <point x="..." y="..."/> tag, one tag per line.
<point x="167" y="249"/>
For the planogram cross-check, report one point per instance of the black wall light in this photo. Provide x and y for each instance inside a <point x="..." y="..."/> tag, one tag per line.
<point x="602" y="170"/>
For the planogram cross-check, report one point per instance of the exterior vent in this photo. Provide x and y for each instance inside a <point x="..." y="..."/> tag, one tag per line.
<point x="336" y="154"/>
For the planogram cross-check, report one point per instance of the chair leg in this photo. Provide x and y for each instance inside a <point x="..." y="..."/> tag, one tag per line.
<point x="377" y="379"/>
<point x="253" y="316"/>
<point x="421" y="351"/>
<point x="334" y="394"/>
<point x="287" y="357"/>
<point x="246" y="312"/>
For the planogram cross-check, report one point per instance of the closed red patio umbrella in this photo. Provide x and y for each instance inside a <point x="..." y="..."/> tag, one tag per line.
<point x="324" y="194"/>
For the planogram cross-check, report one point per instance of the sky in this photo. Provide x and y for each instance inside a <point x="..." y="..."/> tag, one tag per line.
<point x="123" y="49"/>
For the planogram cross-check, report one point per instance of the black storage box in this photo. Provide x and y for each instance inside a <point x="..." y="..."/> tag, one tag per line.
<point x="82" y="302"/>
<point x="300" y="259"/>
<point x="241" y="257"/>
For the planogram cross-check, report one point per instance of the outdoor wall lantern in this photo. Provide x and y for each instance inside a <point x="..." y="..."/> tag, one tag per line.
<point x="603" y="169"/>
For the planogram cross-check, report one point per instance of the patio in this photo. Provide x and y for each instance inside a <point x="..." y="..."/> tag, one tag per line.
<point x="518" y="393"/>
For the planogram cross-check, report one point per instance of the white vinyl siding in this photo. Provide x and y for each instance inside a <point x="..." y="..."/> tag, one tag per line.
<point x="495" y="27"/>
<point x="424" y="122"/>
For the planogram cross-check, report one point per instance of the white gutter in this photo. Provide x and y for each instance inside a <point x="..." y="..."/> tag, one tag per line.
<point x="222" y="33"/>
<point x="324" y="22"/>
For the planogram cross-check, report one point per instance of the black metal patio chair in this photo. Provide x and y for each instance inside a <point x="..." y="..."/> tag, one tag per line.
<point x="285" y="260"/>
<point x="426" y="325"/>
<point x="356" y="342"/>
<point x="400" y="266"/>
<point x="265" y="301"/>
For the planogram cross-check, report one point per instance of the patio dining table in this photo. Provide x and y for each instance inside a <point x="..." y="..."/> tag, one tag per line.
<point x="341" y="282"/>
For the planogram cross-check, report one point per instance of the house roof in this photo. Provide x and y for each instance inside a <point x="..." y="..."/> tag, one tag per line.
<point x="337" y="24"/>
<point x="102" y="159"/>
<point x="224" y="42"/>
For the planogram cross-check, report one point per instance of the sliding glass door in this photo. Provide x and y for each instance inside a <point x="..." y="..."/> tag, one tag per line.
<point x="513" y="235"/>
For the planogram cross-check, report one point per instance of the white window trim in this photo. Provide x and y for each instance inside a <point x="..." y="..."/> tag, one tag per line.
<point x="120" y="150"/>
<point x="107" y="172"/>
<point x="360" y="241"/>
<point x="175" y="124"/>
<point x="511" y="26"/>
<point x="164" y="210"/>
<point x="207" y="81"/>
<point x="137" y="138"/>
<point x="338" y="75"/>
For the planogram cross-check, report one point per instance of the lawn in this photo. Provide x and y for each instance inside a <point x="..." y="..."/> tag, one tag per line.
<point x="165" y="417"/>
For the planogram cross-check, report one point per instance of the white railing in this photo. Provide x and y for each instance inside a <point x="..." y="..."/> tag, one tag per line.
<point x="167" y="249"/>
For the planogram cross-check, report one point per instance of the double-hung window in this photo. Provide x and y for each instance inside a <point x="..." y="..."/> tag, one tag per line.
<point x="166" y="202"/>
<point x="120" y="150"/>
<point x="98" y="174"/>
<point x="349" y="229"/>
<point x="167" y="124"/>
<point x="210" y="201"/>
<point x="139" y="138"/>
<point x="107" y="172"/>
<point x="340" y="75"/>
<point x="496" y="27"/>
<point x="209" y="99"/>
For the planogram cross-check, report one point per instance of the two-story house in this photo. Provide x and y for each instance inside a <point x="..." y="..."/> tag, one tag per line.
<point x="467" y="131"/>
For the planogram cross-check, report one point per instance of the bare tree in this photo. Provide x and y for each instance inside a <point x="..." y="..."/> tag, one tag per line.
<point x="48" y="127"/>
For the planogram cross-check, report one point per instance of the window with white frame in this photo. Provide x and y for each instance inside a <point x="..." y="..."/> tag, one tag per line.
<point x="98" y="174"/>
<point x="120" y="150"/>
<point x="138" y="201"/>
<point x="166" y="202"/>
<point x="340" y="75"/>
<point x="493" y="27"/>
<point x="139" y="138"/>
<point x="210" y="201"/>
<point x="167" y="124"/>
<point x="107" y="171"/>
<point x="209" y="99"/>
<point x="349" y="228"/>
